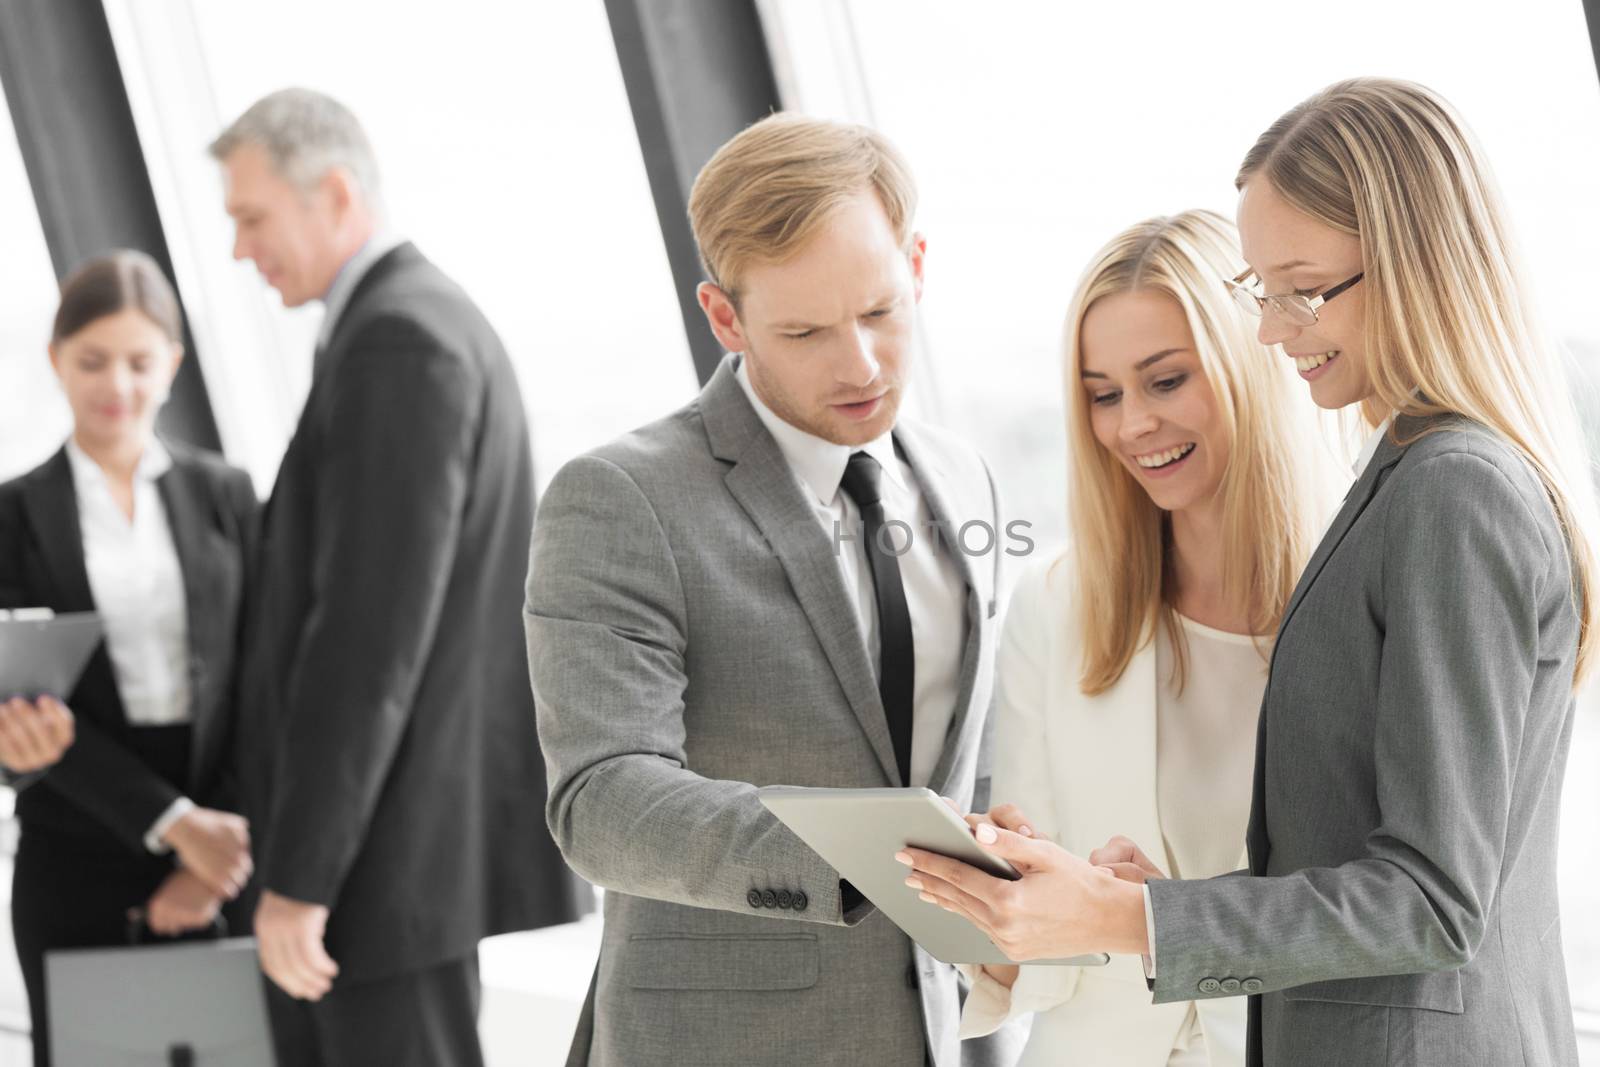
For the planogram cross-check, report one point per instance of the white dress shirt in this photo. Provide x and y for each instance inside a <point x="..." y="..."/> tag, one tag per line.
<point x="936" y="593"/>
<point x="137" y="584"/>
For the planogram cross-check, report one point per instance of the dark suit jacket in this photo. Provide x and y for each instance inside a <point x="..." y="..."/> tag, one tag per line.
<point x="394" y="765"/>
<point x="100" y="787"/>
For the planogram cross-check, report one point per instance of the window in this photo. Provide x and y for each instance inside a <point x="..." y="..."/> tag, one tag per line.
<point x="34" y="418"/>
<point x="508" y="154"/>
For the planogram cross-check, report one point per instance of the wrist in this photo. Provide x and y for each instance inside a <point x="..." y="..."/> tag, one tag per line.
<point x="160" y="837"/>
<point x="175" y="834"/>
<point x="1128" y="933"/>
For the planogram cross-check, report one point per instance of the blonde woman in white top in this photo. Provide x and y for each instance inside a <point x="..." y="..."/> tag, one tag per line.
<point x="1132" y="664"/>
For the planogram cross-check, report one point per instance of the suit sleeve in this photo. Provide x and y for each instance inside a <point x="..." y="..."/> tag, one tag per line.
<point x="1464" y="569"/>
<point x="1022" y="776"/>
<point x="96" y="773"/>
<point x="245" y="511"/>
<point x="389" y="496"/>
<point x="983" y="779"/>
<point x="607" y="647"/>
<point x="103" y="778"/>
<point x="11" y="596"/>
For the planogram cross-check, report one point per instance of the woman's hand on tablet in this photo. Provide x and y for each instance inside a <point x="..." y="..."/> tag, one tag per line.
<point x="1062" y="906"/>
<point x="1004" y="816"/>
<point x="1126" y="860"/>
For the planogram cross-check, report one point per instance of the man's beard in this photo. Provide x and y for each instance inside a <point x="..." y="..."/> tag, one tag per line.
<point x="826" y="423"/>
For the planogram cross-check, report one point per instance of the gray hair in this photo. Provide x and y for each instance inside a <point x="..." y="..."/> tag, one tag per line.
<point x="305" y="134"/>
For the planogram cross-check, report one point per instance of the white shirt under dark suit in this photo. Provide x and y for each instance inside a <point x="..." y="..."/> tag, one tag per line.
<point x="154" y="706"/>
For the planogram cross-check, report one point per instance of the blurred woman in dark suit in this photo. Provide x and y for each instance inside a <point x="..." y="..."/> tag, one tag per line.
<point x="135" y="821"/>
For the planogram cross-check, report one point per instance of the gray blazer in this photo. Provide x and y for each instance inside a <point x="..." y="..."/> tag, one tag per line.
<point x="1409" y="759"/>
<point x="690" y="638"/>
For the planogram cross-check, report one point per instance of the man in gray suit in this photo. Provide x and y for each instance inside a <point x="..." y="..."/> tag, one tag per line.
<point x="779" y="583"/>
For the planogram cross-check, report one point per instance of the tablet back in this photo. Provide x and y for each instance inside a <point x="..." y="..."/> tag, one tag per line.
<point x="858" y="831"/>
<point x="45" y="656"/>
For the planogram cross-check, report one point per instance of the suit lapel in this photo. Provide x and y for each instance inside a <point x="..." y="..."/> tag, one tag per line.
<point x="51" y="503"/>
<point x="190" y="517"/>
<point x="930" y="480"/>
<point x="1257" y="841"/>
<point x="768" y="491"/>
<point x="1355" y="502"/>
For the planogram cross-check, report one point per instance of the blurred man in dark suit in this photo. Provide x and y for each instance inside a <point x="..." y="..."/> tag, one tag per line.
<point x="390" y="757"/>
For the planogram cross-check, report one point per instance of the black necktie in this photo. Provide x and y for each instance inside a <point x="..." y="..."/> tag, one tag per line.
<point x="897" y="665"/>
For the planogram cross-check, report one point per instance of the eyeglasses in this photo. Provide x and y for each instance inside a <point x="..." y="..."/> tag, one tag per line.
<point x="1291" y="307"/>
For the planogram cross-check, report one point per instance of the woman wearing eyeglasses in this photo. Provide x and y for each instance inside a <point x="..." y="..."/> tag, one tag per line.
<point x="1198" y="485"/>
<point x="1399" y="906"/>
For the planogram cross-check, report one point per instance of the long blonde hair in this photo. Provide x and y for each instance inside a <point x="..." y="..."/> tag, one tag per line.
<point x="1271" y="498"/>
<point x="1448" y="328"/>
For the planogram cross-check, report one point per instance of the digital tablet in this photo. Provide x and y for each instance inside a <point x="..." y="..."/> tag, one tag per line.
<point x="858" y="831"/>
<point x="40" y="656"/>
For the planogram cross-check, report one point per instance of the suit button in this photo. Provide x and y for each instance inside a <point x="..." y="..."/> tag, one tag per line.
<point x="911" y="975"/>
<point x="1251" y="985"/>
<point x="753" y="898"/>
<point x="769" y="899"/>
<point x="799" y="901"/>
<point x="1210" y="985"/>
<point x="1230" y="985"/>
<point x="785" y="898"/>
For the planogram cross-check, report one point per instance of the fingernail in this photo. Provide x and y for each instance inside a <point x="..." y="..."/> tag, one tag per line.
<point x="986" y="834"/>
<point x="902" y="857"/>
<point x="1025" y="831"/>
<point x="914" y="883"/>
<point x="928" y="898"/>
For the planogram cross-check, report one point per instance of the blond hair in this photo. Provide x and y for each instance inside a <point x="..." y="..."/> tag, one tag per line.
<point x="770" y="188"/>
<point x="1448" y="328"/>
<point x="1273" y="489"/>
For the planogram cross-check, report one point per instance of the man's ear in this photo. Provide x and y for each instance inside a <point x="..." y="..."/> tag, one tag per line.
<point x="722" y="315"/>
<point x="342" y="191"/>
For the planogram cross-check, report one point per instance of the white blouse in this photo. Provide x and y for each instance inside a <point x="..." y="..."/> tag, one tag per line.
<point x="1169" y="767"/>
<point x="1205" y="762"/>
<point x="138" y="587"/>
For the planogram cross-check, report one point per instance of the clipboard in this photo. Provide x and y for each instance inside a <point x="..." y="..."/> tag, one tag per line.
<point x="43" y="654"/>
<point x="858" y="831"/>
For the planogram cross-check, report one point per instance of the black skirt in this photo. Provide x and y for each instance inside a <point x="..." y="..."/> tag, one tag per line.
<point x="75" y="890"/>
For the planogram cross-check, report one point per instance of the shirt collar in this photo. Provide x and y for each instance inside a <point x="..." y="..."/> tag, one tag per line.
<point x="819" y="463"/>
<point x="155" y="462"/>
<point x="344" y="284"/>
<point x="1370" y="449"/>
